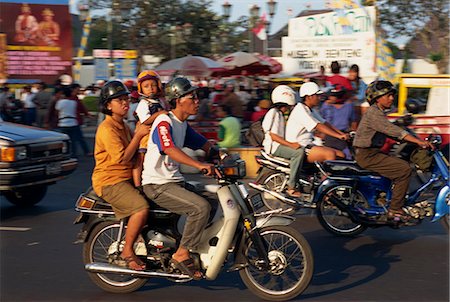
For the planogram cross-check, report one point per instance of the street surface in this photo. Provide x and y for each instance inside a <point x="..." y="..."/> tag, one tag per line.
<point x="39" y="262"/>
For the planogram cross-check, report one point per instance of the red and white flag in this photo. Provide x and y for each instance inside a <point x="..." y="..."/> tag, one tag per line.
<point x="260" y="29"/>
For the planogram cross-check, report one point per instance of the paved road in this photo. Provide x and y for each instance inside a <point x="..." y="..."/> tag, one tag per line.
<point x="40" y="263"/>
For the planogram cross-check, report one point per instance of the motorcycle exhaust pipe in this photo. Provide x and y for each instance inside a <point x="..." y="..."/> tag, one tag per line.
<point x="106" y="268"/>
<point x="283" y="198"/>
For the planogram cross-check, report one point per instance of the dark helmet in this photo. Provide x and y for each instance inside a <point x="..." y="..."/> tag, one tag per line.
<point x="377" y="89"/>
<point x="178" y="87"/>
<point x="338" y="91"/>
<point x="111" y="90"/>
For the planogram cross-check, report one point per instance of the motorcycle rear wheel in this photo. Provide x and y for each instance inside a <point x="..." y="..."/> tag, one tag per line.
<point x="291" y="265"/>
<point x="96" y="249"/>
<point x="336" y="221"/>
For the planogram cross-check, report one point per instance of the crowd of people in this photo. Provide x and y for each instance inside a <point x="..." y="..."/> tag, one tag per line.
<point x="61" y="110"/>
<point x="145" y="126"/>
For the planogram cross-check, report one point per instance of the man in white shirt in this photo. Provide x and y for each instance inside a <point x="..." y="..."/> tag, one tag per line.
<point x="303" y="121"/>
<point x="161" y="177"/>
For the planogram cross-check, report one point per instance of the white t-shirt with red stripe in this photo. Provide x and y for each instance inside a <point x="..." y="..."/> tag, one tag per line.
<point x="167" y="132"/>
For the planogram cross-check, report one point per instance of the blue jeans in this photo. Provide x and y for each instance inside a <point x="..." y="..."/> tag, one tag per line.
<point x="296" y="156"/>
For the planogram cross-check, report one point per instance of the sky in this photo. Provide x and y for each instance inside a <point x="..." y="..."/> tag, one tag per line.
<point x="280" y="19"/>
<point x="241" y="8"/>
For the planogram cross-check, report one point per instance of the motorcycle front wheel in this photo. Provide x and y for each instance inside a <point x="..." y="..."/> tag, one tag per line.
<point x="276" y="182"/>
<point x="97" y="249"/>
<point x="290" y="269"/>
<point x="335" y="220"/>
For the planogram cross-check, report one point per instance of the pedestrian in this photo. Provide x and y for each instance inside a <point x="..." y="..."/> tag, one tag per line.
<point x="81" y="113"/>
<point x="341" y="115"/>
<point x="229" y="127"/>
<point x="260" y="110"/>
<point x="66" y="109"/>
<point x="337" y="80"/>
<point x="115" y="149"/>
<point x="42" y="99"/>
<point x="29" y="106"/>
<point x="131" y="117"/>
<point x="232" y="100"/>
<point x="359" y="91"/>
<point x="51" y="121"/>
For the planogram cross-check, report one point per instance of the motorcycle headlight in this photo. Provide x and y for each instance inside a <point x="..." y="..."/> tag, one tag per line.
<point x="11" y="154"/>
<point x="236" y="170"/>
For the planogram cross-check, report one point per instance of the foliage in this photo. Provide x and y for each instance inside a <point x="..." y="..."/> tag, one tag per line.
<point x="156" y="28"/>
<point x="426" y="20"/>
<point x="91" y="103"/>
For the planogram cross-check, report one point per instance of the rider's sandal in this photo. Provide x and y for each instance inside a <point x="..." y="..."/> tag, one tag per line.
<point x="398" y="215"/>
<point x="294" y="193"/>
<point x="125" y="262"/>
<point x="187" y="267"/>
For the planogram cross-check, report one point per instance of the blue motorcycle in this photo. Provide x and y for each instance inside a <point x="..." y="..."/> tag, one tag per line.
<point x="352" y="199"/>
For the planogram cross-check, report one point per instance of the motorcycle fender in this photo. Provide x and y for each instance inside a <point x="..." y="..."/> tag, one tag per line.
<point x="327" y="184"/>
<point x="262" y="222"/>
<point x="441" y="207"/>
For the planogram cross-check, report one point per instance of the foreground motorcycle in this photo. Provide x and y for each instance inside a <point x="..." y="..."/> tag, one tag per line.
<point x="274" y="261"/>
<point x="352" y="199"/>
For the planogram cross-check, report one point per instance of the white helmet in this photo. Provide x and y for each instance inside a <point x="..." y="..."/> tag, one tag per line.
<point x="284" y="94"/>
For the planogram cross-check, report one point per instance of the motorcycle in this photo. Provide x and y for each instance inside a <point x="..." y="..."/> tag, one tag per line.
<point x="352" y="199"/>
<point x="274" y="260"/>
<point x="273" y="174"/>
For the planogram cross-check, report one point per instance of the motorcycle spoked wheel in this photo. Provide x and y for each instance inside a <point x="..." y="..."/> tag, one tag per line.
<point x="96" y="250"/>
<point x="291" y="265"/>
<point x="274" y="181"/>
<point x="334" y="220"/>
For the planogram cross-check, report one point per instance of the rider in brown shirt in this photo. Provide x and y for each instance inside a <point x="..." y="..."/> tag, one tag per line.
<point x="370" y="137"/>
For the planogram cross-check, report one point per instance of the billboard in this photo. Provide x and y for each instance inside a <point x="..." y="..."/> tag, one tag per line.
<point x="124" y="61"/>
<point x="317" y="40"/>
<point x="37" y="35"/>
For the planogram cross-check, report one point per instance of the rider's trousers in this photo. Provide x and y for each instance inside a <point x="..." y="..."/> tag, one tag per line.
<point x="175" y="198"/>
<point x="296" y="157"/>
<point x="393" y="168"/>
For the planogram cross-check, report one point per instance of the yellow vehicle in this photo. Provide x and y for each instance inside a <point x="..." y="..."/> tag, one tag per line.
<point x="432" y="95"/>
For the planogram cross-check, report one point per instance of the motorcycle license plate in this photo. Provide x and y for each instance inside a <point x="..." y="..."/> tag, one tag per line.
<point x="257" y="201"/>
<point x="53" y="168"/>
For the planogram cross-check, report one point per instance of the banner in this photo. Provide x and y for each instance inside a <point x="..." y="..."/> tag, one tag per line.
<point x="38" y="40"/>
<point x="317" y="40"/>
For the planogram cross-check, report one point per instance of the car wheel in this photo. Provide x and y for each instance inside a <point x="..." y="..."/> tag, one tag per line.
<point x="27" y="196"/>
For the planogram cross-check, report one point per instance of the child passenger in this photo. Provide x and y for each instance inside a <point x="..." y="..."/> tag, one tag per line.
<point x="149" y="107"/>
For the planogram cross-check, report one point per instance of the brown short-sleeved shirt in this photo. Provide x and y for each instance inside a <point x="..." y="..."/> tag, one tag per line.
<point x="373" y="129"/>
<point x="111" y="140"/>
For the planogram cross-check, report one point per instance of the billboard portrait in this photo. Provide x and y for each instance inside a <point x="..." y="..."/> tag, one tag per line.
<point x="38" y="37"/>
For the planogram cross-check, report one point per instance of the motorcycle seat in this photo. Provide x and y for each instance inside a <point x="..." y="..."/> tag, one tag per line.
<point x="276" y="159"/>
<point x="345" y="167"/>
<point x="100" y="203"/>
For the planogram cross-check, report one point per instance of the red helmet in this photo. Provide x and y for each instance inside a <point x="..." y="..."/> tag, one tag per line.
<point x="149" y="75"/>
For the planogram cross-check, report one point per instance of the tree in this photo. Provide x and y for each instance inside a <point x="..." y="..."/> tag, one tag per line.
<point x="164" y="28"/>
<point x="425" y="20"/>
